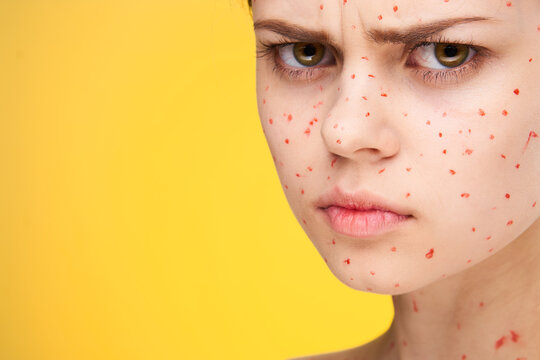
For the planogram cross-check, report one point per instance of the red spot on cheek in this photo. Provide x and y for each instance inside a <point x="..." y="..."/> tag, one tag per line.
<point x="444" y="151"/>
<point x="510" y="222"/>
<point x="408" y="194"/>
<point x="347" y="261"/>
<point x="491" y="136"/>
<point x="481" y="112"/>
<point x="473" y="229"/>
<point x="395" y="8"/>
<point x="508" y="3"/>
<point x="429" y="254"/>
<point x="307" y="132"/>
<point x="469" y="151"/>
<point x="408" y="169"/>
<point x="503" y="156"/>
<point x="371" y="76"/>
<point x="321" y="7"/>
<point x="338" y="141"/>
<point x="353" y="76"/>
<point x="500" y="342"/>
<point x="396" y="285"/>
<point x="393" y="248"/>
<point x="507" y="196"/>
<point x="380" y="171"/>
<point x="372" y="273"/>
<point x="505" y="113"/>
<point x="286" y="141"/>
<point x="463" y="357"/>
<point x="384" y="95"/>
<point x="465" y="195"/>
<point x="516" y="91"/>
<point x="271" y="121"/>
<point x="289" y="117"/>
<point x="534" y="204"/>
<point x="452" y="172"/>
<point x="379" y="17"/>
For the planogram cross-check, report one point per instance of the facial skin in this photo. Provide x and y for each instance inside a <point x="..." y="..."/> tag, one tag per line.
<point x="456" y="146"/>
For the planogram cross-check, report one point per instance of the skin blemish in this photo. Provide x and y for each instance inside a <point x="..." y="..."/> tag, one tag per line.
<point x="444" y="151"/>
<point x="469" y="151"/>
<point x="321" y="7"/>
<point x="333" y="242"/>
<point x="270" y="121"/>
<point x="310" y="168"/>
<point x="452" y="172"/>
<point x="491" y="136"/>
<point x="505" y="113"/>
<point x="365" y="98"/>
<point x="481" y="304"/>
<point x="286" y="187"/>
<point x="304" y="221"/>
<point x="516" y="91"/>
<point x="534" y="204"/>
<point x="489" y="237"/>
<point x="414" y="306"/>
<point x="481" y="112"/>
<point x="408" y="169"/>
<point x="429" y="254"/>
<point x="289" y="118"/>
<point x="302" y="191"/>
<point x="531" y="134"/>
<point x="428" y="122"/>
<point x="444" y="114"/>
<point x="338" y="141"/>
<point x="367" y="114"/>
<point x="347" y="261"/>
<point x="395" y="8"/>
<point x="371" y="76"/>
<point x="515" y="336"/>
<point x="510" y="222"/>
<point x="517" y="166"/>
<point x="333" y="162"/>
<point x="353" y="76"/>
<point x="465" y="195"/>
<point x="509" y="3"/>
<point x="463" y="357"/>
<point x="440" y="135"/>
<point x="396" y="285"/>
<point x="503" y="156"/>
<point x="286" y="141"/>
<point x="393" y="249"/>
<point x="473" y="229"/>
<point x="380" y="171"/>
<point x="384" y="95"/>
<point x="364" y="58"/>
<point x="500" y="342"/>
<point x="307" y="131"/>
<point x="347" y="98"/>
<point x="335" y="126"/>
<point x="372" y="273"/>
<point x="379" y="17"/>
<point x="507" y="196"/>
<point x="408" y="194"/>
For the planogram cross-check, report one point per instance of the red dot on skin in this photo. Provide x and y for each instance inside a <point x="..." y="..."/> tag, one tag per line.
<point x="307" y="131"/>
<point x="363" y="97"/>
<point x="469" y="151"/>
<point x="321" y="7"/>
<point x="491" y="136"/>
<point x="371" y="76"/>
<point x="481" y="303"/>
<point x="338" y="141"/>
<point x="347" y="261"/>
<point x="414" y="306"/>
<point x="367" y="114"/>
<point x="468" y="261"/>
<point x="271" y="121"/>
<point x="508" y="3"/>
<point x="310" y="168"/>
<point x="505" y="113"/>
<point x="333" y="162"/>
<point x="515" y="336"/>
<point x="408" y="194"/>
<point x="286" y="187"/>
<point x="408" y="169"/>
<point x="534" y="204"/>
<point x="440" y="134"/>
<point x="500" y="342"/>
<point x="465" y="195"/>
<point x="429" y="254"/>
<point x="463" y="357"/>
<point x="372" y="273"/>
<point x="530" y="60"/>
<point x="444" y="151"/>
<point x="510" y="222"/>
<point x="379" y="17"/>
<point x="297" y="175"/>
<point x="286" y="141"/>
<point x="503" y="156"/>
<point x="452" y="172"/>
<point x="489" y="237"/>
<point x="384" y="95"/>
<point x="364" y="58"/>
<point x="507" y="196"/>
<point x="302" y="191"/>
<point x="333" y="242"/>
<point x="473" y="229"/>
<point x="353" y="76"/>
<point x="393" y="249"/>
<point x="428" y="122"/>
<point x="481" y="112"/>
<point x="395" y="8"/>
<point x="289" y="117"/>
<point x="517" y="166"/>
<point x="380" y="171"/>
<point x="396" y="285"/>
<point x="369" y="289"/>
<point x="304" y="221"/>
<point x="516" y="91"/>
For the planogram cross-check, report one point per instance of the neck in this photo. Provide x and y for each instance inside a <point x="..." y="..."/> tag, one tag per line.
<point x="491" y="310"/>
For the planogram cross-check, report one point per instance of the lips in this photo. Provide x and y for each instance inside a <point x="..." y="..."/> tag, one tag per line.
<point x="361" y="214"/>
<point x="359" y="200"/>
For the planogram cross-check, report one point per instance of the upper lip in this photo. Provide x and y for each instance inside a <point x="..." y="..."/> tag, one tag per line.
<point x="359" y="200"/>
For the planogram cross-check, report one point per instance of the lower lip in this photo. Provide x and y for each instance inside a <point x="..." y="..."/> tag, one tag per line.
<point x="363" y="224"/>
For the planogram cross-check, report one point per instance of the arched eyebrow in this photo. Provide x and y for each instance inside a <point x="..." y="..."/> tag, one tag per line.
<point x="409" y="35"/>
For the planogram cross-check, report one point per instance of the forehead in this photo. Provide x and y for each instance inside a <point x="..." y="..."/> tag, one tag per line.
<point x="335" y="15"/>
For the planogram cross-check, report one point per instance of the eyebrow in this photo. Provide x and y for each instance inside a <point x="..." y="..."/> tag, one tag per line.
<point x="408" y="35"/>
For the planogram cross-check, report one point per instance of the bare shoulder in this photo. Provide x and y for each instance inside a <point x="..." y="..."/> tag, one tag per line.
<point x="363" y="352"/>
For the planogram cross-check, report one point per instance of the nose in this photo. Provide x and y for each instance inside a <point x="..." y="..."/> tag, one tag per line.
<point x="358" y="126"/>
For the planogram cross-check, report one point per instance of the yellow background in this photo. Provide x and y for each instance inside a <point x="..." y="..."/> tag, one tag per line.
<point x="141" y="216"/>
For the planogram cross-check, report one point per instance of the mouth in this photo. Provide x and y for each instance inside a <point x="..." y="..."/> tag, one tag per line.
<point x="361" y="214"/>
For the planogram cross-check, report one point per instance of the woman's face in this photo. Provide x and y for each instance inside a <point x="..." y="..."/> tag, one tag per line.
<point x="431" y="105"/>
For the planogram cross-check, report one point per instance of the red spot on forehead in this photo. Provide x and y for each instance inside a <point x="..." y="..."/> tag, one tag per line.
<point x="396" y="285"/>
<point x="428" y="122"/>
<point x="270" y="121"/>
<point x="491" y="136"/>
<point x="307" y="131"/>
<point x="367" y="114"/>
<point x="444" y="151"/>
<point x="503" y="156"/>
<point x="481" y="303"/>
<point x="372" y="273"/>
<point x="289" y="117"/>
<point x="469" y="151"/>
<point x="364" y="58"/>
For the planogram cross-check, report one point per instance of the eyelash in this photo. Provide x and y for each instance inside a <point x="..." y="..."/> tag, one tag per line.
<point x="428" y="76"/>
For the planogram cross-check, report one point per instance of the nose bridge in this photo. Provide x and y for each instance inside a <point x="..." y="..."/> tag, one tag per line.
<point x="356" y="124"/>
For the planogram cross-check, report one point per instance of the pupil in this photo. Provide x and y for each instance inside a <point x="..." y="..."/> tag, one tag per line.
<point x="309" y="50"/>
<point x="450" y="51"/>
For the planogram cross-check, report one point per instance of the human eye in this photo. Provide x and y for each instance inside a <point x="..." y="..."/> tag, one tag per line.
<point x="446" y="62"/>
<point x="298" y="61"/>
